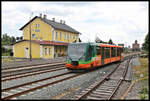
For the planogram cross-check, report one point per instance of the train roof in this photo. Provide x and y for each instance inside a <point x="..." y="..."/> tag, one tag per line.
<point x="97" y="44"/>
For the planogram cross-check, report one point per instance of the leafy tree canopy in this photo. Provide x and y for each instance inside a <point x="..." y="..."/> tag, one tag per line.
<point x="145" y="45"/>
<point x="7" y="40"/>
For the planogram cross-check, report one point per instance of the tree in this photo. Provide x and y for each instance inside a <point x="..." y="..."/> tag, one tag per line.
<point x="110" y="42"/>
<point x="145" y="45"/>
<point x="97" y="40"/>
<point x="13" y="40"/>
<point x="6" y="40"/>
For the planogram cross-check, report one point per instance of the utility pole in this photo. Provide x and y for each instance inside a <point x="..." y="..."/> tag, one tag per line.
<point x="30" y="38"/>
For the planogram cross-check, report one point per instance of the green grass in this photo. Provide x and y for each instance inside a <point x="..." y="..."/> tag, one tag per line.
<point x="10" y="59"/>
<point x="6" y="54"/>
<point x="143" y="69"/>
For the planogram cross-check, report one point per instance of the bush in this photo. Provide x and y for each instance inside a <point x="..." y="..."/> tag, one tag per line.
<point x="143" y="93"/>
<point x="6" y="52"/>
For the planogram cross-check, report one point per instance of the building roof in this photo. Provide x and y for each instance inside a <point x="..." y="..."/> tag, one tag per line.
<point x="54" y="24"/>
<point x="45" y="42"/>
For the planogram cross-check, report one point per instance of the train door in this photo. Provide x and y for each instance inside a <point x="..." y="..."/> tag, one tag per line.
<point x="103" y="55"/>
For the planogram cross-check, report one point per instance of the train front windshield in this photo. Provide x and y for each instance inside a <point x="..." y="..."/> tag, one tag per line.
<point x="76" y="51"/>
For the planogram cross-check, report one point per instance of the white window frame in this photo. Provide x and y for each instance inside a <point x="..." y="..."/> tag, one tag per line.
<point x="73" y="35"/>
<point x="56" y="35"/>
<point x="67" y="36"/>
<point x="53" y="34"/>
<point x="60" y="35"/>
<point x="38" y="25"/>
<point x="70" y="36"/>
<point x="45" y="51"/>
<point x="49" y="51"/>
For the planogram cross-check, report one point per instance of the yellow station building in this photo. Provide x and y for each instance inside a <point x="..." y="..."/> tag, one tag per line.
<point x="49" y="38"/>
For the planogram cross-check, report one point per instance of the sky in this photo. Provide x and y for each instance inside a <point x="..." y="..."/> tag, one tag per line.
<point x="123" y="22"/>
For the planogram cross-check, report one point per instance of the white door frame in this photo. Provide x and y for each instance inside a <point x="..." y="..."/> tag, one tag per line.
<point x="41" y="54"/>
<point x="26" y="52"/>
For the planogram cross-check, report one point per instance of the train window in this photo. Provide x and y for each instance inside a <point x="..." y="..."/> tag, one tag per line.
<point x="107" y="52"/>
<point x="118" y="51"/>
<point x="90" y="52"/>
<point x="113" y="52"/>
<point x="98" y="50"/>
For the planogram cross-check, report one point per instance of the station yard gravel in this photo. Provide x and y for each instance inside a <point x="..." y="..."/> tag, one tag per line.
<point x="80" y="82"/>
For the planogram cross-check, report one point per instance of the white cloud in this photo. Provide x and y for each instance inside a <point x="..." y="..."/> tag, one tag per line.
<point x="120" y="21"/>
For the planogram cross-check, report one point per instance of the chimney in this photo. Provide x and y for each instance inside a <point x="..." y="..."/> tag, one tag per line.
<point x="40" y="15"/>
<point x="61" y="21"/>
<point x="53" y="19"/>
<point x="45" y="16"/>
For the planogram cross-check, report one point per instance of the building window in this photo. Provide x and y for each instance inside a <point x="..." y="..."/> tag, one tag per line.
<point x="76" y="36"/>
<point x="37" y="30"/>
<point x="56" y="35"/>
<point x="38" y="25"/>
<point x="73" y="35"/>
<point x="70" y="36"/>
<point x="49" y="51"/>
<point x="67" y="36"/>
<point x="33" y="35"/>
<point x="60" y="35"/>
<point x="45" y="51"/>
<point x="41" y="38"/>
<point x="35" y="25"/>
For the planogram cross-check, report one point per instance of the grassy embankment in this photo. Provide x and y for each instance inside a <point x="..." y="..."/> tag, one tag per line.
<point x="142" y="72"/>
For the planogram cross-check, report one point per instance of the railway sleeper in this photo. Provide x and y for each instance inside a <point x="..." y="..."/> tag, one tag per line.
<point x="94" y="98"/>
<point x="100" y="90"/>
<point x="102" y="93"/>
<point x="109" y="89"/>
<point x="109" y="84"/>
<point x="99" y="95"/>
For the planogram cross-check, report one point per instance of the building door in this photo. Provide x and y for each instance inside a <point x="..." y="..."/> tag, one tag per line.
<point x="26" y="52"/>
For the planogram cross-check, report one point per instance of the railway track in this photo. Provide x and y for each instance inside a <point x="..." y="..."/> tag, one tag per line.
<point x="29" y="69"/>
<point x="105" y="88"/>
<point x="31" y="86"/>
<point x="18" y="90"/>
<point x="11" y="77"/>
<point x="13" y="92"/>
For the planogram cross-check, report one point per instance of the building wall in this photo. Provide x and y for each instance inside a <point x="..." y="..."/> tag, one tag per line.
<point x="41" y="30"/>
<point x="135" y="46"/>
<point x="19" y="49"/>
<point x="65" y="35"/>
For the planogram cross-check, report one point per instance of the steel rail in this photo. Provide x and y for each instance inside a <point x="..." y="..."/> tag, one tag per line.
<point x="31" y="67"/>
<point x="86" y="93"/>
<point x="30" y="74"/>
<point x="97" y="84"/>
<point x="39" y="87"/>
